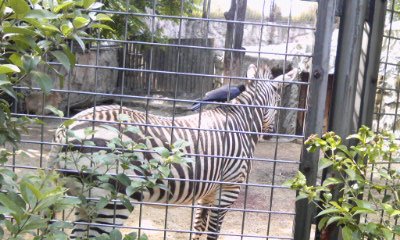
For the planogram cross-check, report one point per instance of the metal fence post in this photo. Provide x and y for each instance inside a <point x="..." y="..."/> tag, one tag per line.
<point x="349" y="79"/>
<point x="316" y="108"/>
<point x="376" y="22"/>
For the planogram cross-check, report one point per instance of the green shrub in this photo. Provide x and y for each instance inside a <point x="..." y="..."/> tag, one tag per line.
<point x="375" y="199"/>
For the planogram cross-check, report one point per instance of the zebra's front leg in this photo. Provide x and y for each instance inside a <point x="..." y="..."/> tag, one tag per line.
<point x="222" y="203"/>
<point x="201" y="217"/>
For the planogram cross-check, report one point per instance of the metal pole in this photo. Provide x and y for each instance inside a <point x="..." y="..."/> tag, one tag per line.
<point x="376" y="22"/>
<point x="316" y="108"/>
<point x="349" y="80"/>
<point x="344" y="114"/>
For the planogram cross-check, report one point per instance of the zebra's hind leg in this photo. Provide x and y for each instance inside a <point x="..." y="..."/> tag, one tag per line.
<point x="201" y="216"/>
<point x="222" y="203"/>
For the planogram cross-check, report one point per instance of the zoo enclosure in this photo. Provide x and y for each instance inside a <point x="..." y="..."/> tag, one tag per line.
<point x="165" y="77"/>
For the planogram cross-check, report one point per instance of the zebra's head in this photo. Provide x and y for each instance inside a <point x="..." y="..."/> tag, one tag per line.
<point x="269" y="89"/>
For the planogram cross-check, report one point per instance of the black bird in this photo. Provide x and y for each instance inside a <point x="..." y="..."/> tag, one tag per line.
<point x="220" y="94"/>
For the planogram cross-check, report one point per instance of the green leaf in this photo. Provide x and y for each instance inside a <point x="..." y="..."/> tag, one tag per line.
<point x="127" y="204"/>
<point x="10" y="227"/>
<point x="27" y="194"/>
<point x="64" y="5"/>
<point x="351" y="174"/>
<point x="17" y="211"/>
<point x="68" y="122"/>
<point x="41" y="14"/>
<point x="362" y="211"/>
<point x="15" y="58"/>
<point x="101" y="26"/>
<point x="387" y="233"/>
<point x="55" y="111"/>
<point x="110" y="128"/>
<point x="115" y="235"/>
<point x="103" y="17"/>
<point x="123" y="179"/>
<point x="143" y="237"/>
<point x="9" y="68"/>
<point x="132" y="129"/>
<point x="354" y="136"/>
<point x="49" y="27"/>
<point x="95" y="5"/>
<point x="395" y="213"/>
<point x="63" y="59"/>
<point x="35" y="223"/>
<point x="44" y="80"/>
<point x="9" y="90"/>
<point x="101" y="203"/>
<point x="333" y="219"/>
<point x="79" y="40"/>
<point x="180" y="144"/>
<point x="386" y="198"/>
<point x="165" y="171"/>
<point x="20" y="7"/>
<point x="162" y="151"/>
<point x="61" y="224"/>
<point x="347" y="233"/>
<point x="131" y="236"/>
<point x="332" y="181"/>
<point x="322" y="223"/>
<point x="324" y="163"/>
<point x="87" y="3"/>
<point x="364" y="204"/>
<point x="67" y="29"/>
<point x="4" y="80"/>
<point x="80" y="22"/>
<point x="69" y="54"/>
<point x="328" y="211"/>
<point x="30" y="62"/>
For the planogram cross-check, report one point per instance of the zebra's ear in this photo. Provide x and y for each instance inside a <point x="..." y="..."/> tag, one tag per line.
<point x="288" y="77"/>
<point x="251" y="71"/>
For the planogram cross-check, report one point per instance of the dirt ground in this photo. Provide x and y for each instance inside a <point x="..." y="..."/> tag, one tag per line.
<point x="259" y="198"/>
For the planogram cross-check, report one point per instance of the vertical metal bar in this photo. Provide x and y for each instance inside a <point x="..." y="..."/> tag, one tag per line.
<point x="277" y="124"/>
<point x="258" y="67"/>
<point x="376" y="22"/>
<point x="349" y="71"/>
<point x="316" y="108"/>
<point x="177" y="81"/>
<point x="344" y="117"/>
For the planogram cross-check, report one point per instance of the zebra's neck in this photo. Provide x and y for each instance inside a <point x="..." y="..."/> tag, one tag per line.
<point x="257" y="94"/>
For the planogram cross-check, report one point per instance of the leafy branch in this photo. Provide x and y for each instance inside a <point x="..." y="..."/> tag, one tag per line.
<point x="374" y="199"/>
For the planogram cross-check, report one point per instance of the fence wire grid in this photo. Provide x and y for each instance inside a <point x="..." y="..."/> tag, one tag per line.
<point x="386" y="108"/>
<point x="180" y="59"/>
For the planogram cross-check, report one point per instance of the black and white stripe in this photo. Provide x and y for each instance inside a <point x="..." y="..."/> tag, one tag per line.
<point x="219" y="141"/>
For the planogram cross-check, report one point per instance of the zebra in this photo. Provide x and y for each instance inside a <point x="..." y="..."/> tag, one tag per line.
<point x="226" y="137"/>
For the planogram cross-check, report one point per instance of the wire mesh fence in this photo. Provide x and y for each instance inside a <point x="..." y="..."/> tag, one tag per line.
<point x="182" y="54"/>
<point x="385" y="116"/>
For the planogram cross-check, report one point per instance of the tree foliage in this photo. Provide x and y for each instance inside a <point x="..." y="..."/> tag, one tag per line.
<point x="32" y="34"/>
<point x="136" y="15"/>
